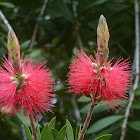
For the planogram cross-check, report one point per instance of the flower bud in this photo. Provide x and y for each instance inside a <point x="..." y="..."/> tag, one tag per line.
<point x="14" y="52"/>
<point x="102" y="40"/>
<point x="102" y="34"/>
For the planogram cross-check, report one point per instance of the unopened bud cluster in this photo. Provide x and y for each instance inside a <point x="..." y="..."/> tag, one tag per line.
<point x="102" y="40"/>
<point x="14" y="53"/>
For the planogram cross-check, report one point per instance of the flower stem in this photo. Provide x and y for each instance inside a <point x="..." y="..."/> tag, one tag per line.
<point x="33" y="127"/>
<point x="87" y="121"/>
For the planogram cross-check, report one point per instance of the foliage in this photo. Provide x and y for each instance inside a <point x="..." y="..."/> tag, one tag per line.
<point x="56" y="42"/>
<point x="66" y="133"/>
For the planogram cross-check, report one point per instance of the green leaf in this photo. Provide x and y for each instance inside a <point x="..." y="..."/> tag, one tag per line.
<point x="28" y="133"/>
<point x="36" y="53"/>
<point x="97" y="109"/>
<point x="103" y="123"/>
<point x="76" y="133"/>
<point x="23" y="118"/>
<point x="51" y="126"/>
<point x="79" y="132"/>
<point x="84" y="99"/>
<point x="122" y="49"/>
<point x="25" y="44"/>
<point x="45" y="133"/>
<point x="60" y="9"/>
<point x="38" y="131"/>
<point x="52" y="123"/>
<point x="135" y="125"/>
<point x="85" y="109"/>
<point x="62" y="133"/>
<point x="104" y="137"/>
<point x="7" y="4"/>
<point x="13" y="124"/>
<point x="54" y="134"/>
<point x="111" y="129"/>
<point x="101" y="108"/>
<point x="137" y="92"/>
<point x="70" y="135"/>
<point x="89" y="4"/>
<point x="136" y="105"/>
<point x="4" y="27"/>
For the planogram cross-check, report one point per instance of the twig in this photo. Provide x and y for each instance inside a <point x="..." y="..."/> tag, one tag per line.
<point x="33" y="127"/>
<point x="78" y="37"/>
<point x="87" y="121"/>
<point x="37" y="24"/>
<point x="124" y="125"/>
<point x="5" y="20"/>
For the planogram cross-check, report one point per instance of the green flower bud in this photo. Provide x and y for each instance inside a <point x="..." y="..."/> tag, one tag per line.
<point x="14" y="52"/>
<point x="102" y="41"/>
<point x="102" y="34"/>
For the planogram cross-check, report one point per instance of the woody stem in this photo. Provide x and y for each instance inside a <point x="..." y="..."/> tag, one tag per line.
<point x="33" y="127"/>
<point x="87" y="121"/>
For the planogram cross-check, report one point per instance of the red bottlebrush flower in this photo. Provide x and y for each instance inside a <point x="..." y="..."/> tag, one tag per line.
<point x="87" y="77"/>
<point x="30" y="91"/>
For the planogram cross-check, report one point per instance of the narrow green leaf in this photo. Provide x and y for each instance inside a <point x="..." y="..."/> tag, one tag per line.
<point x="51" y="126"/>
<point x="104" y="137"/>
<point x="54" y="134"/>
<point x="90" y="4"/>
<point x="101" y="108"/>
<point x="7" y="4"/>
<point x="103" y="123"/>
<point x="79" y="132"/>
<point x="62" y="133"/>
<point x="45" y="133"/>
<point x="135" y="125"/>
<point x="136" y="105"/>
<point x="111" y="129"/>
<point x="122" y="49"/>
<point x="13" y="124"/>
<point x="70" y="135"/>
<point x="28" y="133"/>
<point x="25" y="44"/>
<point x="38" y="131"/>
<point x="85" y="109"/>
<point x="98" y="108"/>
<point x="23" y="118"/>
<point x="137" y="92"/>
<point x="47" y="130"/>
<point x="84" y="99"/>
<point x="76" y="133"/>
<point x="52" y="123"/>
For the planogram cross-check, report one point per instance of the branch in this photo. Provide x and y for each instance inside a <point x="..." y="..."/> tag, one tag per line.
<point x="5" y="21"/>
<point x="87" y="121"/>
<point x="124" y="125"/>
<point x="76" y="28"/>
<point x="37" y="24"/>
<point x="33" y="127"/>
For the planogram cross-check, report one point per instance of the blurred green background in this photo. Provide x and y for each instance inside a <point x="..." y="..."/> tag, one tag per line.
<point x="60" y="28"/>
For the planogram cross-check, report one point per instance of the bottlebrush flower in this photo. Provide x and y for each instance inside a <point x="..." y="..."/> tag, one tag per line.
<point x="29" y="88"/>
<point x="97" y="77"/>
<point x="109" y="82"/>
<point x="30" y="91"/>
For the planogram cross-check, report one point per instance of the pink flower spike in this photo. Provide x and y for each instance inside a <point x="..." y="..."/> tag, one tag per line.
<point x="108" y="82"/>
<point x="31" y="91"/>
